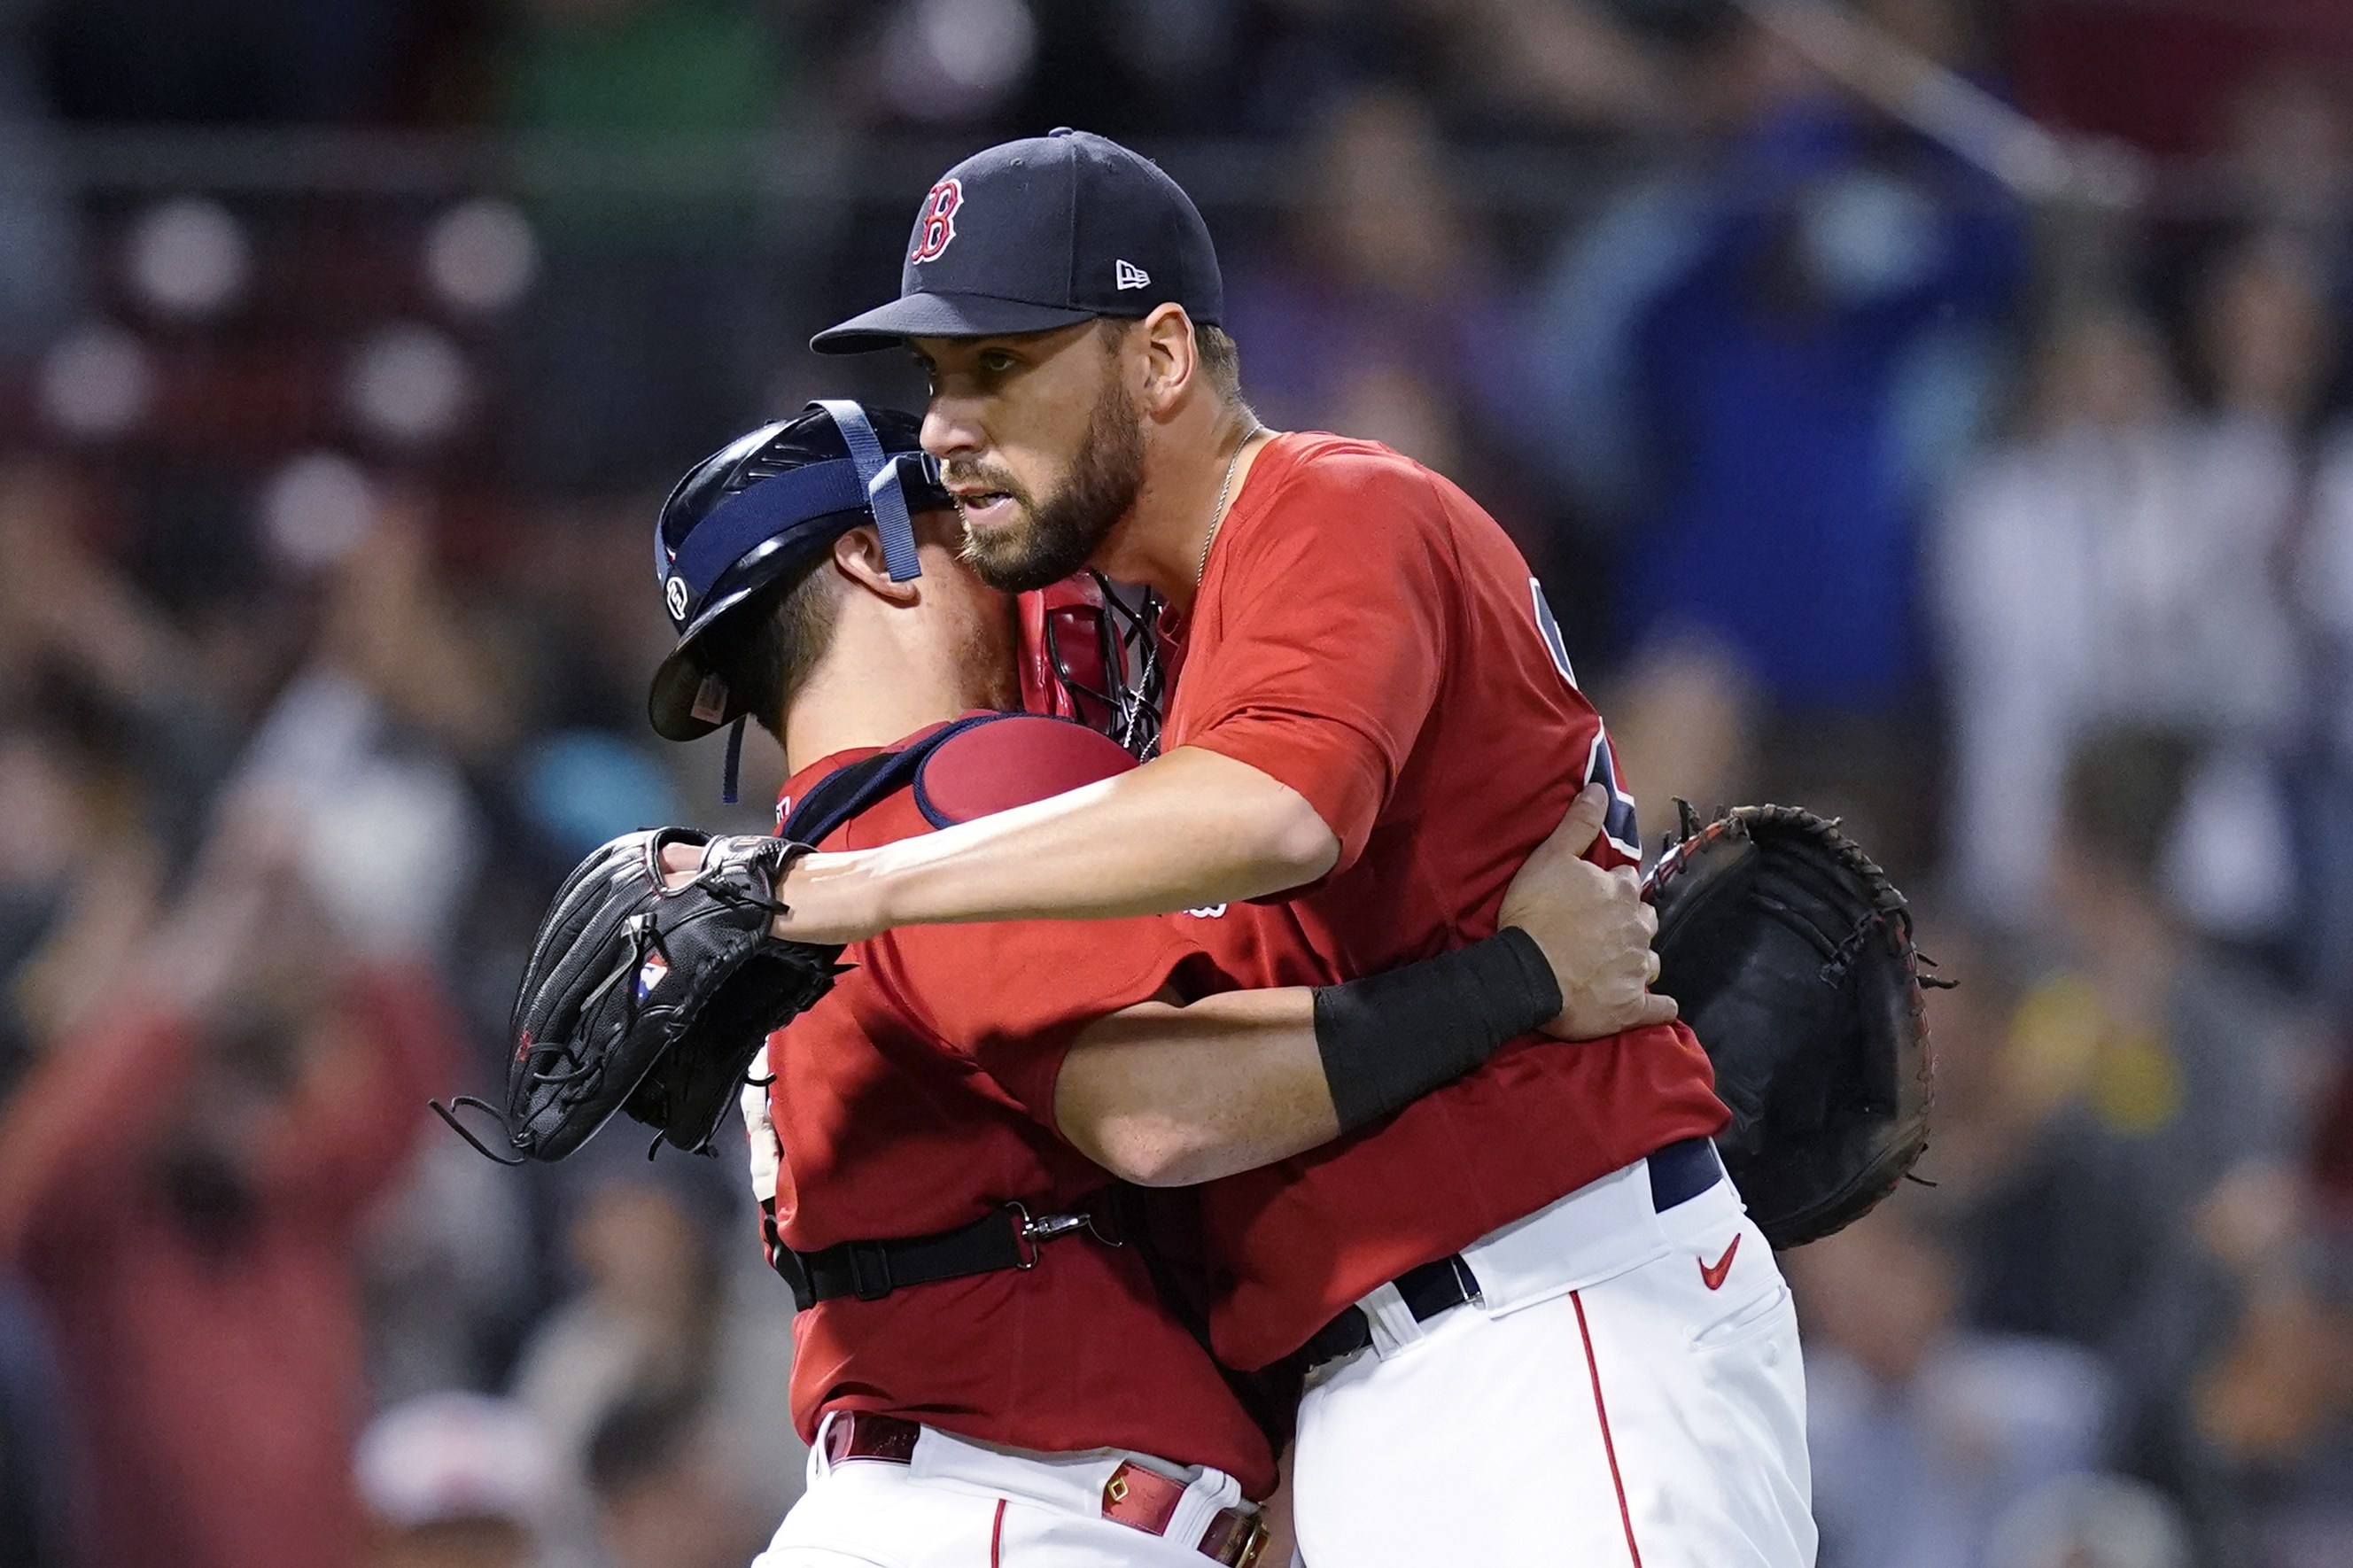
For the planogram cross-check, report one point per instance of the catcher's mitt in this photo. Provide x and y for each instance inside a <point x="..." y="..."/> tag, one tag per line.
<point x="1790" y="955"/>
<point x="653" y="1000"/>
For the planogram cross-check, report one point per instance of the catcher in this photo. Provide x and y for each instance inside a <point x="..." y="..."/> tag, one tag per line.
<point x="943" y="1125"/>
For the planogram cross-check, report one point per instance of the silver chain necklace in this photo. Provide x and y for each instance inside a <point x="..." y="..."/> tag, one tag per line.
<point x="1217" y="517"/>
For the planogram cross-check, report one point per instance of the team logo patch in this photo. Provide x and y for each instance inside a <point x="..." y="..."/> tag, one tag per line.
<point x="674" y="593"/>
<point x="935" y="221"/>
<point x="650" y="978"/>
<point x="1128" y="275"/>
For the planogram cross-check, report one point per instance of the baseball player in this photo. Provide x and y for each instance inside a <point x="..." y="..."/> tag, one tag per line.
<point x="985" y="1364"/>
<point x="1541" y="1324"/>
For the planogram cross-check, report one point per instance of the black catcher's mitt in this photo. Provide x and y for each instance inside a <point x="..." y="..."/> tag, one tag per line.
<point x="1790" y="956"/>
<point x="653" y="1000"/>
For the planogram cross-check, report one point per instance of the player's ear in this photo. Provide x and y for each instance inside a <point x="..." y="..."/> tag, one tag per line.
<point x="1164" y="339"/>
<point x="858" y="556"/>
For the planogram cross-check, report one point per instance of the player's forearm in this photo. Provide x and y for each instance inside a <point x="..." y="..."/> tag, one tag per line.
<point x="1167" y="1096"/>
<point x="1187" y="829"/>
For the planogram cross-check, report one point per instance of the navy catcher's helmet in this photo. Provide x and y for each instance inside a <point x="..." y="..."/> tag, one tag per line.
<point x="763" y="506"/>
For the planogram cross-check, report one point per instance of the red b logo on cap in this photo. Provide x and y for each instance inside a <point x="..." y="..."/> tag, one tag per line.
<point x="935" y="225"/>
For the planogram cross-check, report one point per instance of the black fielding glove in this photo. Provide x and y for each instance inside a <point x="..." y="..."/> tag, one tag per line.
<point x="652" y="1000"/>
<point x="1790" y="955"/>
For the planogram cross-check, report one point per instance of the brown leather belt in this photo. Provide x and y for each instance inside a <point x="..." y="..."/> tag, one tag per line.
<point x="1136" y="1496"/>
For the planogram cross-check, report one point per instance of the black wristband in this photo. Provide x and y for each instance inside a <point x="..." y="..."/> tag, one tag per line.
<point x="1389" y="1039"/>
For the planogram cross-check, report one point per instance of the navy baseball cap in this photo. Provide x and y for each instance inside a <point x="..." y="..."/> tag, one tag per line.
<point x="1038" y="234"/>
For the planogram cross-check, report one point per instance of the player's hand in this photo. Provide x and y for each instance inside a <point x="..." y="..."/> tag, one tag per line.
<point x="1593" y="926"/>
<point x="813" y="892"/>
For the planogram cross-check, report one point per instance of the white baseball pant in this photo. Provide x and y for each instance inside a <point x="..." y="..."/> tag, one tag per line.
<point x="1627" y="1390"/>
<point x="965" y="1504"/>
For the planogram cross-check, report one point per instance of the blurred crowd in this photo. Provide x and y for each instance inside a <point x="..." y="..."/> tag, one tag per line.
<point x="348" y="346"/>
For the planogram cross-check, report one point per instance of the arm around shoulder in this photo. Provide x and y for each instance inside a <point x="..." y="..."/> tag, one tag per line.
<point x="1188" y="828"/>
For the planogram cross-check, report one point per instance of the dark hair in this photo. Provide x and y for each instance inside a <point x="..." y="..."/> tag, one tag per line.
<point x="765" y="647"/>
<point x="2124" y="793"/>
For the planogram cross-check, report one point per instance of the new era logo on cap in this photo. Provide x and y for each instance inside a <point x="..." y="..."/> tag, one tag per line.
<point x="1128" y="275"/>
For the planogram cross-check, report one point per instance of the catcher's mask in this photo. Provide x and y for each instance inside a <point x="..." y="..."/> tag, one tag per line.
<point x="765" y="506"/>
<point x="1089" y="653"/>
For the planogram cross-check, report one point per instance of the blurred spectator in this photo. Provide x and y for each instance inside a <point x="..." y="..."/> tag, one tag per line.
<point x="2120" y="563"/>
<point x="107" y="673"/>
<point x="669" y="1494"/>
<point x="2273" y="1404"/>
<point x="664" y="1379"/>
<point x="2091" y="1522"/>
<point x="1755" y="369"/>
<point x="2158" y="1090"/>
<point x="181" y="1178"/>
<point x="2320" y="572"/>
<point x="456" y="1480"/>
<point x="1923" y="1433"/>
<point x="2289" y="152"/>
<point x="451" y="1273"/>
<point x="1385" y="317"/>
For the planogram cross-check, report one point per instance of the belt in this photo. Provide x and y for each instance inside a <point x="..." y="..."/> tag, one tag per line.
<point x="1679" y="1172"/>
<point x="1138" y="1498"/>
<point x="1007" y="1237"/>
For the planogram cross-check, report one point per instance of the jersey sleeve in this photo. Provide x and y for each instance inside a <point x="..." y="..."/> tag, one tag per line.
<point x="1009" y="997"/>
<point x="1335" y="609"/>
<point x="1012" y="996"/>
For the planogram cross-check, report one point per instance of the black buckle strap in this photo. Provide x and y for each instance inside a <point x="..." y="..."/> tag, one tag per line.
<point x="1007" y="1237"/>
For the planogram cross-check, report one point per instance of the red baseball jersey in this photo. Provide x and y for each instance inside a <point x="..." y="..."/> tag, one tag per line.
<point x="919" y="1095"/>
<point x="1369" y="636"/>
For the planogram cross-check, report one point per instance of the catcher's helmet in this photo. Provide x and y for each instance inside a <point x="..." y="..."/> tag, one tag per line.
<point x="763" y="506"/>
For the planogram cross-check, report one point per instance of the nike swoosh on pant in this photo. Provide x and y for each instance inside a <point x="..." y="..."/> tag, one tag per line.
<point x="1713" y="1276"/>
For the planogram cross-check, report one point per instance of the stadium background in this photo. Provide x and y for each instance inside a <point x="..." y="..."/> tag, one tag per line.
<point x="346" y="347"/>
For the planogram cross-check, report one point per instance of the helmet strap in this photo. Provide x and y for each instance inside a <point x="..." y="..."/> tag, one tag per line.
<point x="880" y="476"/>
<point x="734" y="764"/>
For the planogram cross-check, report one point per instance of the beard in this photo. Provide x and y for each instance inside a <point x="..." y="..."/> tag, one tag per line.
<point x="1057" y="537"/>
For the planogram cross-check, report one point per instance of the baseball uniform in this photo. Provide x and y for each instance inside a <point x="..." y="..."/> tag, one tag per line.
<point x="1623" y="1382"/>
<point x="1051" y="1400"/>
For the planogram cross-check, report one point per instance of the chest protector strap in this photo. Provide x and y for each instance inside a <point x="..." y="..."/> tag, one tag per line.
<point x="1007" y="1237"/>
